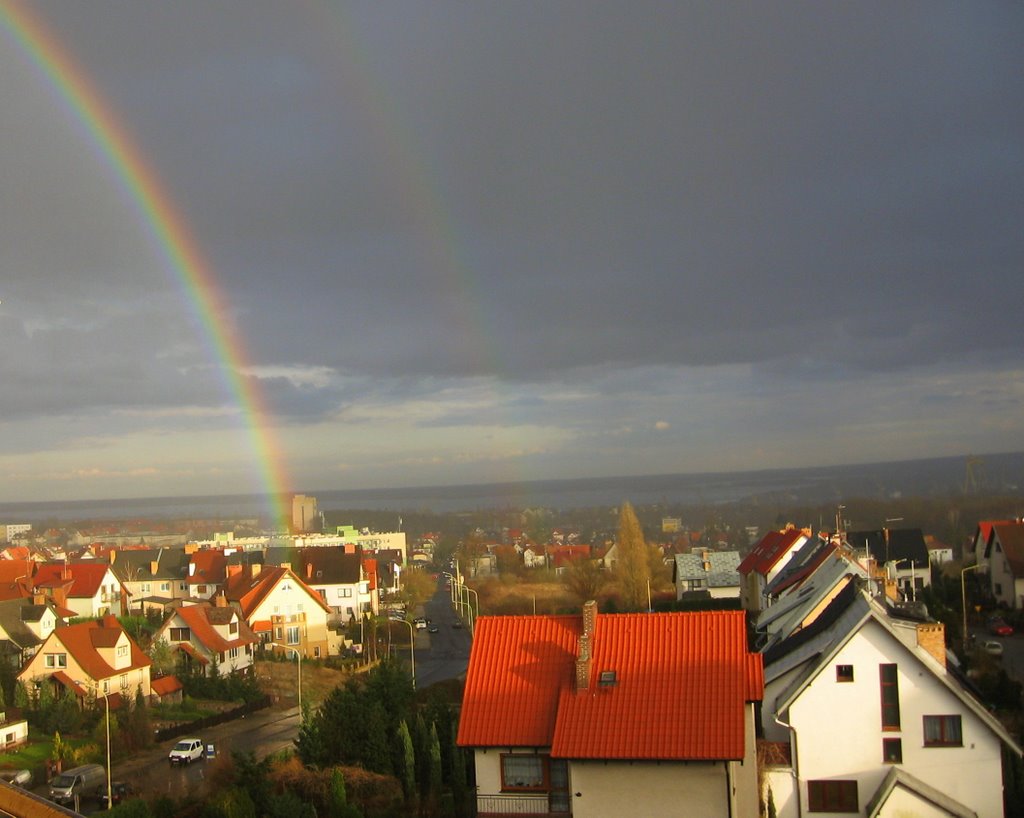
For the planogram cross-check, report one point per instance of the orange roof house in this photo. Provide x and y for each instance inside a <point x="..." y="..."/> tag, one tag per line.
<point x="96" y="656"/>
<point x="613" y="714"/>
<point x="88" y="588"/>
<point x="282" y="608"/>
<point x="216" y="635"/>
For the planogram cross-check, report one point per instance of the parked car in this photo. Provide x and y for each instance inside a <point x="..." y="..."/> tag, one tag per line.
<point x="186" y="751"/>
<point x="17" y="778"/>
<point x="121" y="790"/>
<point x="432" y="628"/>
<point x="420" y="623"/>
<point x="992" y="647"/>
<point x="84" y="781"/>
<point x="997" y="626"/>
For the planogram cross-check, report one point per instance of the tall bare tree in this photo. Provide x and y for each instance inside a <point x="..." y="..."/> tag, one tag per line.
<point x="632" y="568"/>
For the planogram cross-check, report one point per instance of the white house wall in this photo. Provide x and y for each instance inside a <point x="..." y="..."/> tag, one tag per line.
<point x="839" y="733"/>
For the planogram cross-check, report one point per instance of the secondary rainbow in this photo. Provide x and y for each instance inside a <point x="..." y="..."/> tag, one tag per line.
<point x="168" y="229"/>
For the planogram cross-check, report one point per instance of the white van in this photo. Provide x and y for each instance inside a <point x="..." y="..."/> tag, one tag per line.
<point x="186" y="751"/>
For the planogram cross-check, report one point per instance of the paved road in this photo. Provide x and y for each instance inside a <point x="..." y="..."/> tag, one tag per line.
<point x="439" y="656"/>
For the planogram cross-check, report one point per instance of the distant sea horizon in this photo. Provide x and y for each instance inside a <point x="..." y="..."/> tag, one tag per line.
<point x="997" y="473"/>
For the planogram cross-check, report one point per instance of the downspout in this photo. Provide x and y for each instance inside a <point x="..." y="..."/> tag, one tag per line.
<point x="728" y="786"/>
<point x="793" y="756"/>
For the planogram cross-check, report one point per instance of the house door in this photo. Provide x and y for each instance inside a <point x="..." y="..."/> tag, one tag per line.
<point x="558" y="797"/>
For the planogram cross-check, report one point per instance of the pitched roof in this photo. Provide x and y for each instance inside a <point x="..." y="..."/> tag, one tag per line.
<point x="202" y="621"/>
<point x="1011" y="538"/>
<point x="682" y="681"/>
<point x="770" y="549"/>
<point x="13" y="570"/>
<point x="717" y="568"/>
<point x="250" y="590"/>
<point x="210" y="567"/>
<point x="83" y="639"/>
<point x="86" y="577"/>
<point x="898" y="777"/>
<point x="166" y="684"/>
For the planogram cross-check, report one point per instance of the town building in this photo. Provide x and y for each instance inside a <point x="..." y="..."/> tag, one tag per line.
<point x="613" y="714"/>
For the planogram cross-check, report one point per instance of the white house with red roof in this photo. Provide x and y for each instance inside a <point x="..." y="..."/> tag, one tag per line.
<point x="211" y="635"/>
<point x="90" y="658"/>
<point x="765" y="561"/>
<point x="87" y="588"/>
<point x="613" y="714"/>
<point x="281" y="608"/>
<point x="1004" y="555"/>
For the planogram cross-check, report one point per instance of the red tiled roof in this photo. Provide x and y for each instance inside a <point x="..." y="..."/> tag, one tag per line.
<point x="1011" y="537"/>
<point x="14" y="569"/>
<point x="210" y="567"/>
<point x="682" y="684"/>
<point x="262" y="626"/>
<point x="69" y="683"/>
<point x="197" y="618"/>
<point x="86" y="577"/>
<point x="82" y="640"/>
<point x="165" y="685"/>
<point x="249" y="591"/>
<point x="769" y="551"/>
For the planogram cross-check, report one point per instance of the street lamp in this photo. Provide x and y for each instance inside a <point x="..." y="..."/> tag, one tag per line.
<point x="475" y="594"/>
<point x="963" y="596"/>
<point x="298" y="655"/>
<point x="412" y="645"/>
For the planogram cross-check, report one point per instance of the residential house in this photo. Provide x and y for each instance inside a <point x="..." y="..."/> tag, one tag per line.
<point x="612" y="715"/>
<point x="211" y="635"/>
<point x="281" y="608"/>
<point x="207" y="571"/>
<point x="711" y="573"/>
<point x="13" y="730"/>
<point x="339" y="574"/>
<point x="90" y="658"/>
<point x="88" y="588"/>
<point x="975" y="554"/>
<point x="864" y="691"/>
<point x="765" y="561"/>
<point x="939" y="553"/>
<point x="560" y="557"/>
<point x="24" y="625"/>
<point x="153" y="577"/>
<point x="16" y="578"/>
<point x="1004" y="554"/>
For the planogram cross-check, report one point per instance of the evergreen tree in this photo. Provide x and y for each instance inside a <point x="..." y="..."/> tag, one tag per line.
<point x="233" y="802"/>
<point x="632" y="568"/>
<point x="376" y="755"/>
<point x="435" y="768"/>
<point x="408" y="767"/>
<point x="458" y="778"/>
<point x="309" y="744"/>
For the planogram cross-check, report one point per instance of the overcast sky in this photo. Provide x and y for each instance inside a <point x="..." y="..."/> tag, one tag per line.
<point x="511" y="240"/>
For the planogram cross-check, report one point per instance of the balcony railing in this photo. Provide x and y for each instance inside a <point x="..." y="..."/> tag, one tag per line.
<point x="500" y="806"/>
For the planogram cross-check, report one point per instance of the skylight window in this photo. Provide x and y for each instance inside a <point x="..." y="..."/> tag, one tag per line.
<point x="607" y="678"/>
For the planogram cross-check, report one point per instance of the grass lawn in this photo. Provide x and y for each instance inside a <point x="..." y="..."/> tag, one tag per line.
<point x="32" y="756"/>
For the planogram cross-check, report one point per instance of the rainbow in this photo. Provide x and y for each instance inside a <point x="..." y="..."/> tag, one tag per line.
<point x="168" y="229"/>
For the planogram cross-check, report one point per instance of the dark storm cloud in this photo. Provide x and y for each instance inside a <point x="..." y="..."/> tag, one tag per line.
<point x="677" y="230"/>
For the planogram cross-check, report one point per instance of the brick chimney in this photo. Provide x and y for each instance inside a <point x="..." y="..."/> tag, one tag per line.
<point x="309" y="570"/>
<point x="110" y="621"/>
<point x="191" y="547"/>
<point x="583" y="663"/>
<point x="154" y="567"/>
<point x="932" y="637"/>
<point x="585" y="658"/>
<point x="234" y="569"/>
<point x="220" y="601"/>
